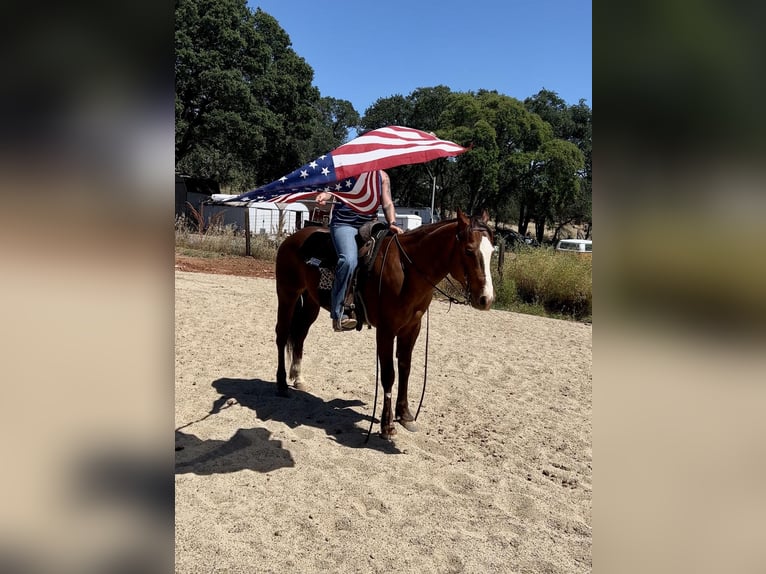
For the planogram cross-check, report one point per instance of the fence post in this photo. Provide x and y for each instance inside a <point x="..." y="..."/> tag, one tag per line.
<point x="247" y="231"/>
<point x="501" y="258"/>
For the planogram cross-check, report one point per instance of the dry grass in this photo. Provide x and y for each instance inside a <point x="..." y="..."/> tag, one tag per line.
<point x="217" y="240"/>
<point x="547" y="282"/>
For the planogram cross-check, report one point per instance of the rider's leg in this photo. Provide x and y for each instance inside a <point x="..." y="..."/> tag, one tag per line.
<point x="344" y="239"/>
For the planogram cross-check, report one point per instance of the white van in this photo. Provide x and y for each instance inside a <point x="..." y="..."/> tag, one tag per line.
<point x="584" y="246"/>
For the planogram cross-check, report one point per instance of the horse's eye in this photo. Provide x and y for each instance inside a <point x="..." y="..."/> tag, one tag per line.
<point x="469" y="251"/>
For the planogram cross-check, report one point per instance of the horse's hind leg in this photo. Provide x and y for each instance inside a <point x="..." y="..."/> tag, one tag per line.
<point x="285" y="312"/>
<point x="306" y="312"/>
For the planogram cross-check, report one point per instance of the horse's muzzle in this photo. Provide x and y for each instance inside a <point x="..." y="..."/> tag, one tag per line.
<point x="482" y="302"/>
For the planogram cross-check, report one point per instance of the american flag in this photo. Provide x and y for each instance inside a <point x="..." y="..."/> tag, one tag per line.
<point x="350" y="172"/>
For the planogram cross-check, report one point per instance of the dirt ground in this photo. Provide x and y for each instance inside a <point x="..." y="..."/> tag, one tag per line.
<point x="498" y="478"/>
<point x="241" y="266"/>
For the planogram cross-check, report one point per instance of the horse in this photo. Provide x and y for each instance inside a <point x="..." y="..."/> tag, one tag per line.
<point x="396" y="290"/>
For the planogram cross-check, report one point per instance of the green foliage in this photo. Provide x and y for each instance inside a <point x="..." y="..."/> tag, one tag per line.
<point x="391" y="111"/>
<point x="479" y="168"/>
<point x="528" y="161"/>
<point x="247" y="113"/>
<point x="246" y="109"/>
<point x="330" y="128"/>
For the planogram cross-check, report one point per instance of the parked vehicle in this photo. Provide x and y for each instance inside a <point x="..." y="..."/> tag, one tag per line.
<point x="584" y="246"/>
<point x="513" y="239"/>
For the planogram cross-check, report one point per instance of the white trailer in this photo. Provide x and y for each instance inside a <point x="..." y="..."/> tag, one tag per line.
<point x="294" y="215"/>
<point x="266" y="218"/>
<point x="404" y="220"/>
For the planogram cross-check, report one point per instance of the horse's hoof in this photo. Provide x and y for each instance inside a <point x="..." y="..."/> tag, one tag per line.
<point x="301" y="386"/>
<point x="388" y="433"/>
<point x="411" y="426"/>
<point x="283" y="391"/>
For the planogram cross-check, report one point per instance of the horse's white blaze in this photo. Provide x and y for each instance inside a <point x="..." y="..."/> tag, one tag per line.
<point x="486" y="251"/>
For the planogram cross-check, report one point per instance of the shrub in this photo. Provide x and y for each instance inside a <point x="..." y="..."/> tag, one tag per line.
<point x="560" y="282"/>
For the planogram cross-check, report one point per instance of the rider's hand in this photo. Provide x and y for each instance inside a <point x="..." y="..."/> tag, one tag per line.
<point x="396" y="228"/>
<point x="323" y="198"/>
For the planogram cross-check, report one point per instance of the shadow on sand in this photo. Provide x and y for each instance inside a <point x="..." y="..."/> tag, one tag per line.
<point x="253" y="448"/>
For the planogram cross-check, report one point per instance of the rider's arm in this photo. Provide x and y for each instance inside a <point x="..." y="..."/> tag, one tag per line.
<point x="388" y="204"/>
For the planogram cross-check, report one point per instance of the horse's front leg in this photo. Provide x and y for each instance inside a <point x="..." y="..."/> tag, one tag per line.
<point x="386" y="357"/>
<point x="405" y="342"/>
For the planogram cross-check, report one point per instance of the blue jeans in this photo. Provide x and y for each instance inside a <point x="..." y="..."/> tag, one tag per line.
<point x="344" y="239"/>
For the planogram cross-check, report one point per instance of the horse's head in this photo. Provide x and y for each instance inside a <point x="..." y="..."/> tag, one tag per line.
<point x="475" y="244"/>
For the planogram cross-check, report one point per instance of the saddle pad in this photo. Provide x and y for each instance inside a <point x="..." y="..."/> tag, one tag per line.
<point x="326" y="278"/>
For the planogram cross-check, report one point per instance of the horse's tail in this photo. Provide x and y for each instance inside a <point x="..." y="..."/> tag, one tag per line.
<point x="293" y="334"/>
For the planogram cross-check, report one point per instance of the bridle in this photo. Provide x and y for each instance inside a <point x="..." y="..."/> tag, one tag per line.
<point x="450" y="298"/>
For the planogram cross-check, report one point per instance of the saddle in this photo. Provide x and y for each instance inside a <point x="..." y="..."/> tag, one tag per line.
<point x="319" y="251"/>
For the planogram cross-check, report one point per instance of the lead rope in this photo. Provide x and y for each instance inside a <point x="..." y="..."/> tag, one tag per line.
<point x="377" y="359"/>
<point x="425" y="362"/>
<point x="425" y="378"/>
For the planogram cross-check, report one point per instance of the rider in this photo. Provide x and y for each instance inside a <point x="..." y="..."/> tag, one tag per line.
<point x="344" y="226"/>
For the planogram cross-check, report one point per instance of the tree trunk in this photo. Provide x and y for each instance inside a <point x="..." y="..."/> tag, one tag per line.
<point x="539" y="230"/>
<point x="523" y="221"/>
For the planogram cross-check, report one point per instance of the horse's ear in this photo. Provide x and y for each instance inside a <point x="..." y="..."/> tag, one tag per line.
<point x="485" y="216"/>
<point x="462" y="220"/>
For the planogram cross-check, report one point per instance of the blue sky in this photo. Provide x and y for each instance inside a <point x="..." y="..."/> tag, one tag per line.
<point x="361" y="50"/>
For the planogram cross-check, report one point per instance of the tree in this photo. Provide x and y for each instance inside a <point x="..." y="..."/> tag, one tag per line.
<point x="551" y="108"/>
<point x="479" y="168"/>
<point x="555" y="182"/>
<point x="394" y="110"/>
<point x="519" y="134"/>
<point x="573" y="124"/>
<point x="244" y="102"/>
<point x="334" y="120"/>
<point x="413" y="184"/>
<point x="520" y="166"/>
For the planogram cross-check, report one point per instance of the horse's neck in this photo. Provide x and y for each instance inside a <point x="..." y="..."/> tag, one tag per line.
<point x="431" y="249"/>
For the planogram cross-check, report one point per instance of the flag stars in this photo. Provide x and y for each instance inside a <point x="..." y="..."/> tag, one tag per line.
<point x="313" y="165"/>
<point x="304" y="173"/>
<point x="283" y="179"/>
<point x="325" y="171"/>
<point x="349" y="183"/>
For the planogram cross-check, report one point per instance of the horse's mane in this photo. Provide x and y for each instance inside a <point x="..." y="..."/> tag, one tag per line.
<point x="429" y="228"/>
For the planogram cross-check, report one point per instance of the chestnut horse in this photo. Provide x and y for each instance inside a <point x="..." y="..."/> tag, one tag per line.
<point x="396" y="292"/>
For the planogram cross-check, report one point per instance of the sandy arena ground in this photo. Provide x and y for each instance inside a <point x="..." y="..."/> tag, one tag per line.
<point x="498" y="479"/>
